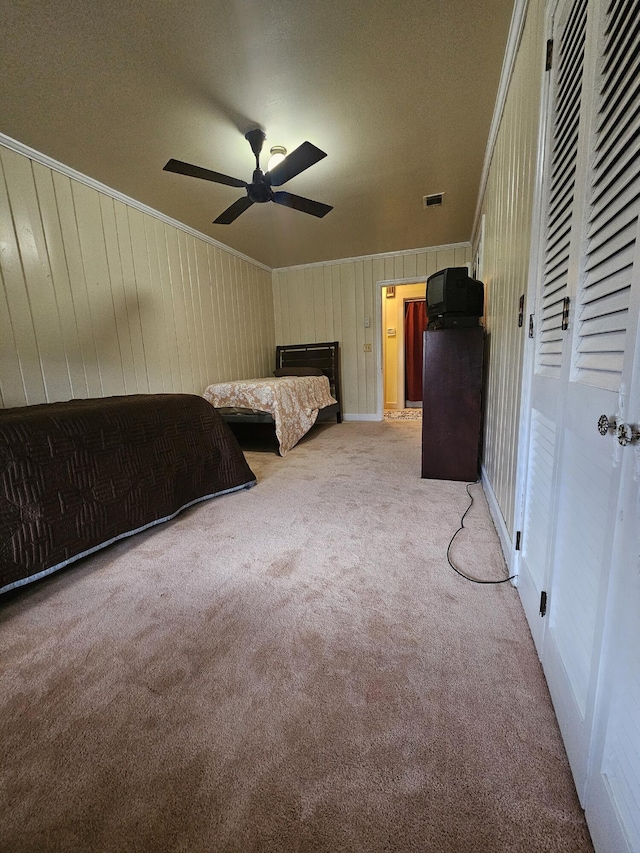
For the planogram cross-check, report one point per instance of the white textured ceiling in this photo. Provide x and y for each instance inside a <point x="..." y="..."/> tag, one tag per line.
<point x="399" y="93"/>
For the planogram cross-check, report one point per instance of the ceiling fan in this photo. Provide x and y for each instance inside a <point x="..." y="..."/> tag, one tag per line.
<point x="259" y="190"/>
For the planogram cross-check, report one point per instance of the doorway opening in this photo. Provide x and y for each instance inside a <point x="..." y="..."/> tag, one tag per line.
<point x="403" y="320"/>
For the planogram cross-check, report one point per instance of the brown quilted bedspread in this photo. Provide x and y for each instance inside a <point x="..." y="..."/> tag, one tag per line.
<point x="75" y="476"/>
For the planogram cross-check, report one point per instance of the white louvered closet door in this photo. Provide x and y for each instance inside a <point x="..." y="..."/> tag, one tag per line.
<point x="607" y="338"/>
<point x="559" y="229"/>
<point x="589" y="646"/>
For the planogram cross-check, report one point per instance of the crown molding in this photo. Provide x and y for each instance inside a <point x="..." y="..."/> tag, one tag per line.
<point x="39" y="157"/>
<point x="381" y="255"/>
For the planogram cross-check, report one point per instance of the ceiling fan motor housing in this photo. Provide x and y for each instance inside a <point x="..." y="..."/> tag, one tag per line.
<point x="259" y="190"/>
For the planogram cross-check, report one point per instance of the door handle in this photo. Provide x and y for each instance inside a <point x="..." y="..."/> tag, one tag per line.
<point x="606" y="424"/>
<point x="627" y="434"/>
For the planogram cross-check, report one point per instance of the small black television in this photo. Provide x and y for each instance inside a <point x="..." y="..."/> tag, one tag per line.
<point x="454" y="298"/>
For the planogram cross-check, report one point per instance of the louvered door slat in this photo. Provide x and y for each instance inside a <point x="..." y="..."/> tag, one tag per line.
<point x="623" y="74"/>
<point x="611" y="244"/>
<point x="601" y="364"/>
<point x="556" y="269"/>
<point x="616" y="287"/>
<point x="603" y="342"/>
<point x="560" y="210"/>
<point x="564" y="146"/>
<point x="554" y="298"/>
<point x="566" y="139"/>
<point x="619" y="159"/>
<point x="619" y="16"/>
<point x="611" y="322"/>
<point x="609" y="223"/>
<point x="555" y="272"/>
<point x="612" y="275"/>
<point x="618" y="196"/>
<point x="614" y="205"/>
<point x="627" y="73"/>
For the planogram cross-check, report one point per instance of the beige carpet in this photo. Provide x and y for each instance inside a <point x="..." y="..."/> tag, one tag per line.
<point x="292" y="668"/>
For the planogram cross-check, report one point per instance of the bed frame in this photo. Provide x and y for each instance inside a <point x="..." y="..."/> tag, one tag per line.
<point x="325" y="356"/>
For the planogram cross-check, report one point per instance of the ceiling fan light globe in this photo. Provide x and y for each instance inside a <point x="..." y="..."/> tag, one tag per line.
<point x="278" y="153"/>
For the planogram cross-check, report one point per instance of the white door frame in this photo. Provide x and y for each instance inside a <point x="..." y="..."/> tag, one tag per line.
<point x="378" y="332"/>
<point x="536" y="253"/>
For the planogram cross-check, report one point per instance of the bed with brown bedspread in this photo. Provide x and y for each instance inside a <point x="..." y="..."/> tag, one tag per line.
<point x="78" y="475"/>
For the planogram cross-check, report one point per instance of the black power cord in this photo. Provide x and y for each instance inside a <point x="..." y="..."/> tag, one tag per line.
<point x="455" y="568"/>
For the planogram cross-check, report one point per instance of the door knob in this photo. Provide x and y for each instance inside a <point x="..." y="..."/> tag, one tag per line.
<point x="627" y="434"/>
<point x="605" y="424"/>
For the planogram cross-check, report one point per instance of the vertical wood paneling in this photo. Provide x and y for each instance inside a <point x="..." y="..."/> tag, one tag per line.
<point x="164" y="277"/>
<point x="445" y="258"/>
<point x="328" y="296"/>
<point x="361" y="356"/>
<point x="20" y="257"/>
<point x="410" y="265"/>
<point x="432" y="263"/>
<point x="327" y="302"/>
<point x="69" y="341"/>
<point x="155" y="284"/>
<point x="369" y="307"/>
<point x="77" y="283"/>
<point x="194" y="290"/>
<point x="145" y="301"/>
<point x="99" y="294"/>
<point x="99" y="298"/>
<point x="185" y="368"/>
<point x="116" y="277"/>
<point x="131" y="304"/>
<point x="507" y="206"/>
<point x="337" y="309"/>
<point x="222" y="275"/>
<point x="11" y="385"/>
<point x="349" y="345"/>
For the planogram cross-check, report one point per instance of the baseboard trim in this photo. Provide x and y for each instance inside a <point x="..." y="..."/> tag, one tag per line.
<point x="366" y="417"/>
<point x="503" y="534"/>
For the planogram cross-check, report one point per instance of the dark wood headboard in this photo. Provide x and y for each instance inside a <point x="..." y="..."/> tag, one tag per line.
<point x="325" y="355"/>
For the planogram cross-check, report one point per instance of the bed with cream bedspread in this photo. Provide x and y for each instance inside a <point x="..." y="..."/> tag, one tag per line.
<point x="292" y="401"/>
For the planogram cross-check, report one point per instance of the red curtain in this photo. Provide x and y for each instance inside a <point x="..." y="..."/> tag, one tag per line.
<point x="415" y="323"/>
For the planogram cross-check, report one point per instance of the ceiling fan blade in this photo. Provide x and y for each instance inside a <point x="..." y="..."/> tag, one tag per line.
<point x="306" y="205"/>
<point x="234" y="211"/>
<point x="299" y="160"/>
<point x="198" y="172"/>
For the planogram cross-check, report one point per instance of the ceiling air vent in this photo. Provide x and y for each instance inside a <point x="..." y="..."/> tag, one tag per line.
<point x="434" y="200"/>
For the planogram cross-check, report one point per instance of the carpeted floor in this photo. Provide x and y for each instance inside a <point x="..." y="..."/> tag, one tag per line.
<point x="292" y="668"/>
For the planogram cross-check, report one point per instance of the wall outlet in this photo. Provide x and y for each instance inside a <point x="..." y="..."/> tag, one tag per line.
<point x="367" y="348"/>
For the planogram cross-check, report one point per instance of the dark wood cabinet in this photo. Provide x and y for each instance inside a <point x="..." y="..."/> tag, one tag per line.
<point x="452" y="403"/>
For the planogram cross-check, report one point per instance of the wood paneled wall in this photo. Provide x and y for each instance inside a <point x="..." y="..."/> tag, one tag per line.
<point x="100" y="298"/>
<point x="507" y="207"/>
<point x="331" y="301"/>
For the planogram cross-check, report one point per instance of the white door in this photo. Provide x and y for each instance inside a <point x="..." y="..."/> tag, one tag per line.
<point x="612" y="798"/>
<point x="559" y="199"/>
<point x="575" y="540"/>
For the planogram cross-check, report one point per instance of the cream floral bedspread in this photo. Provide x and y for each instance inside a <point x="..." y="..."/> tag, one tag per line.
<point x="293" y="401"/>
